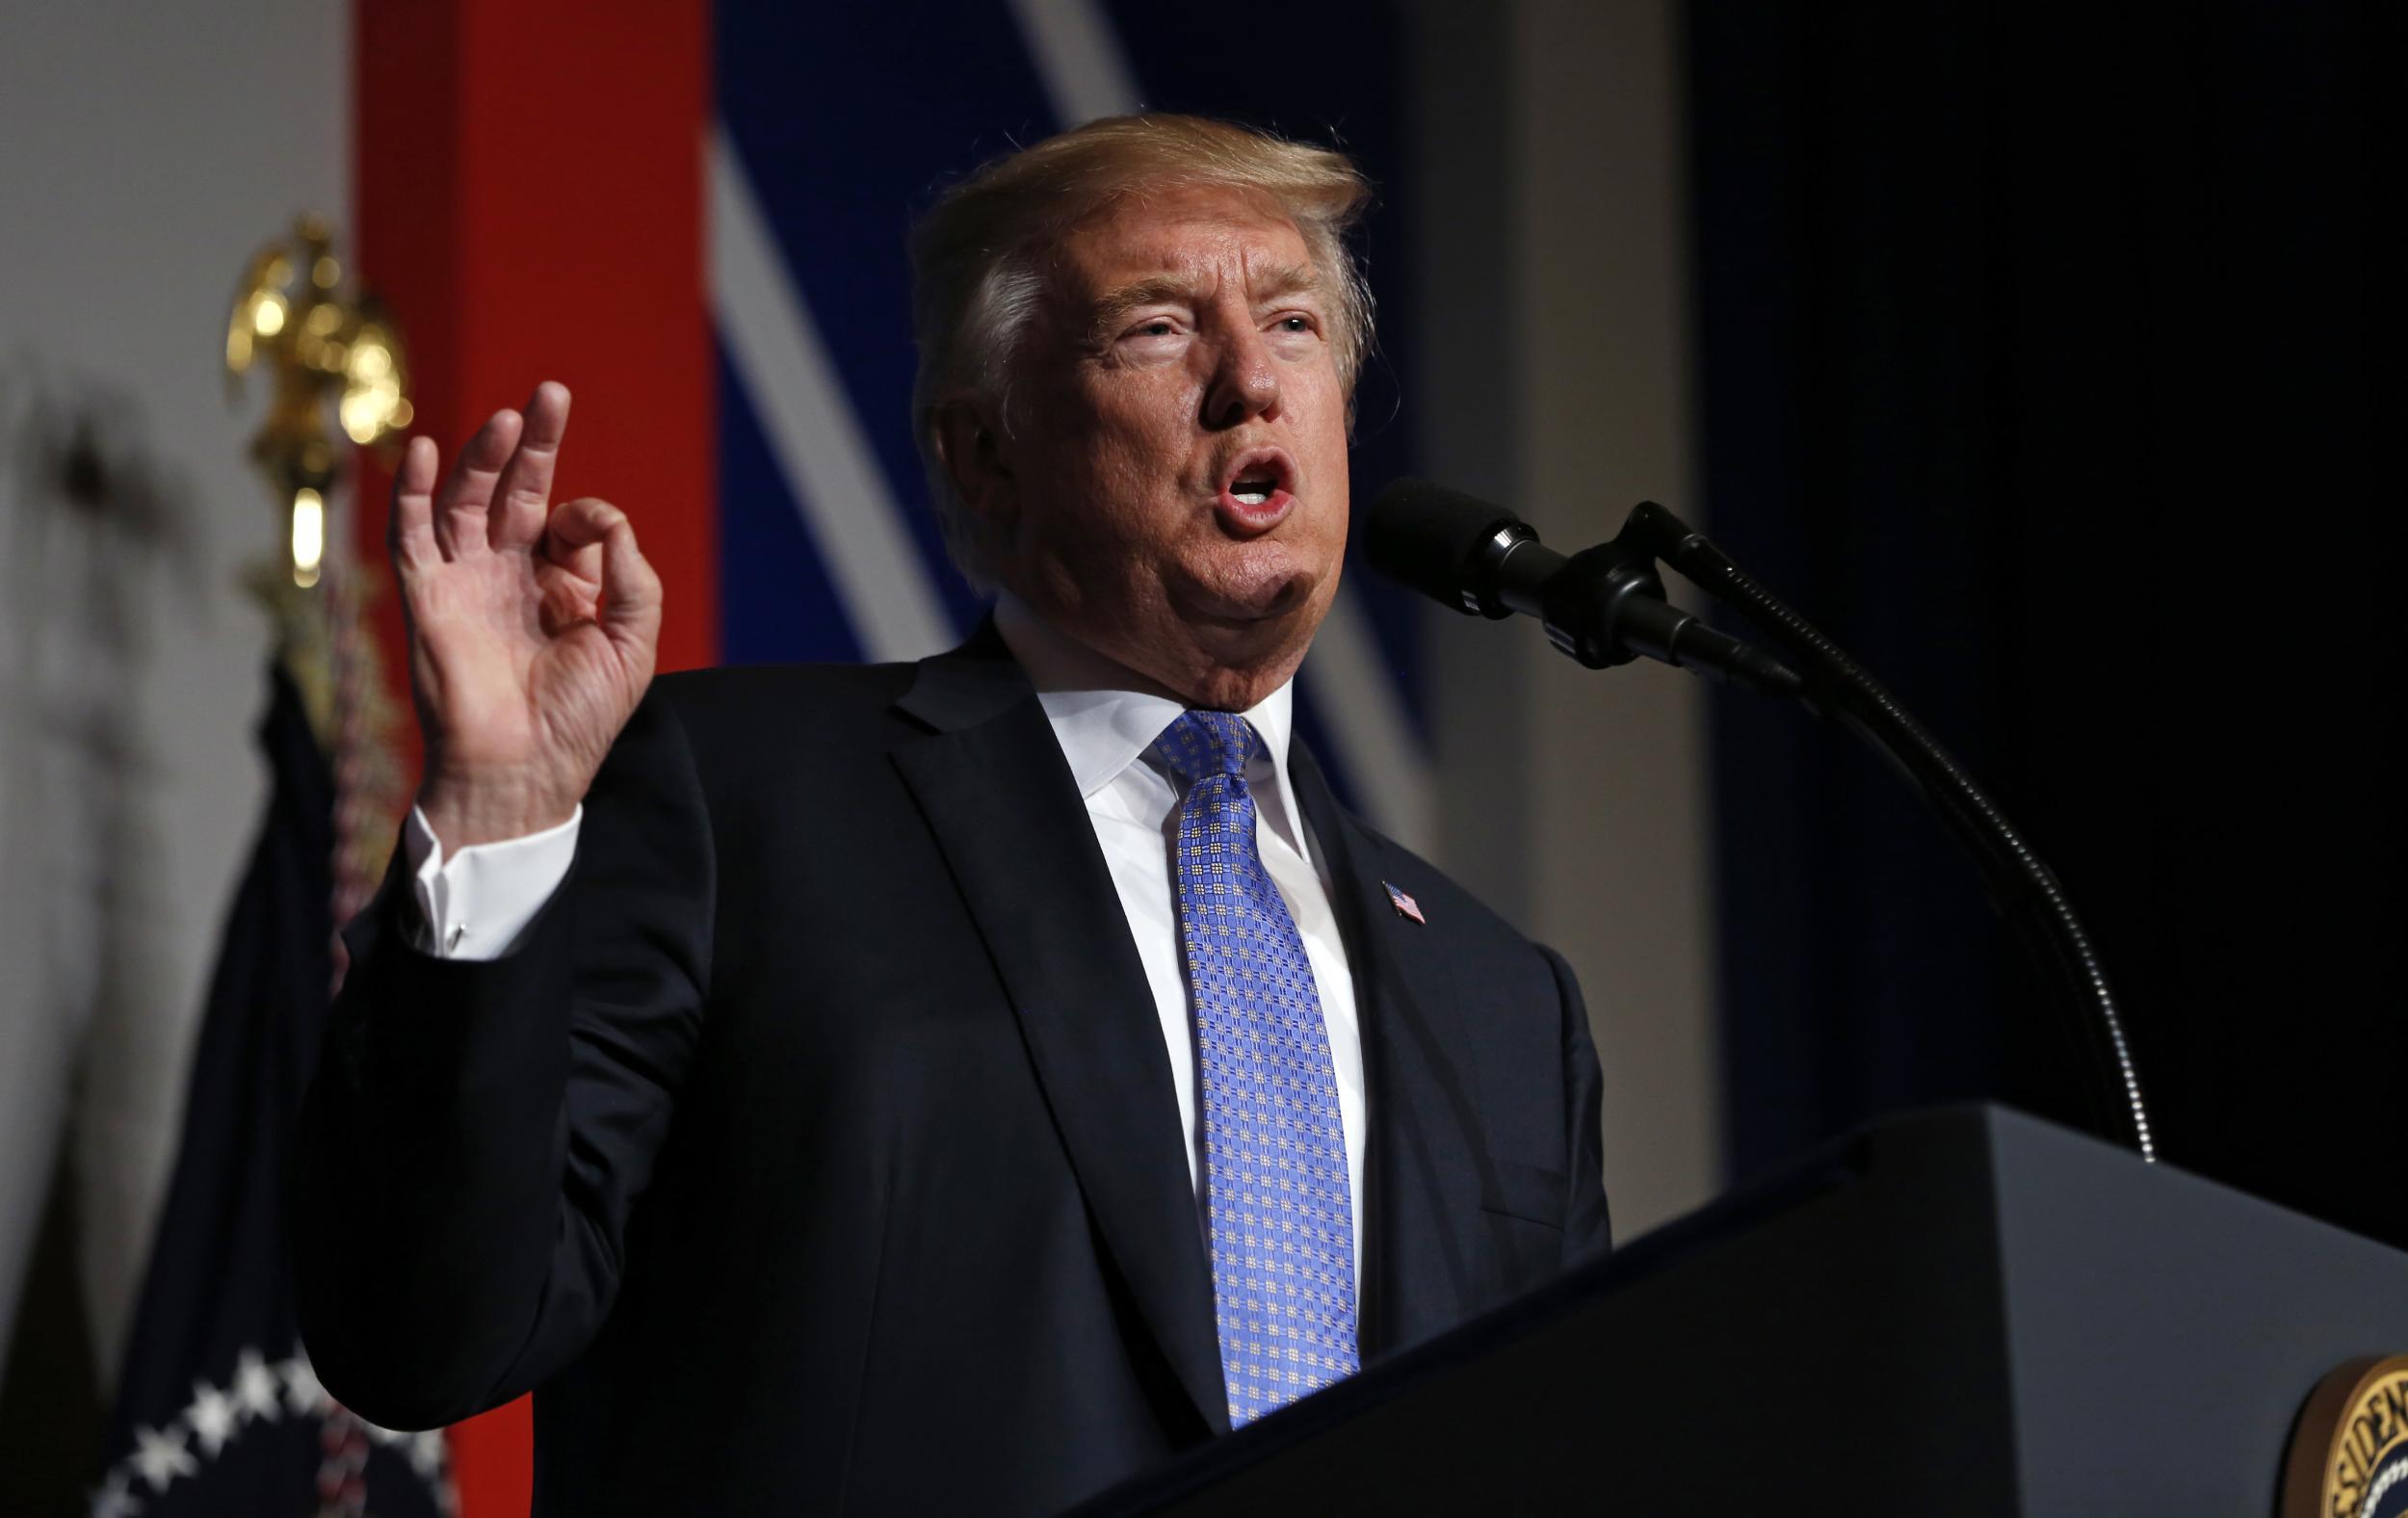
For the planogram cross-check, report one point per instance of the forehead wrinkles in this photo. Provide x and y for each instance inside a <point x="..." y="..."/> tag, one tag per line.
<point x="1141" y="253"/>
<point x="1262" y="282"/>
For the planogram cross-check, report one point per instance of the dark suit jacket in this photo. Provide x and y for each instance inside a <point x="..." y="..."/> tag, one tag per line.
<point x="815" y="1148"/>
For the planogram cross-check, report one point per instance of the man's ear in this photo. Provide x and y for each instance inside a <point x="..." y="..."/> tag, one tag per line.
<point x="970" y="444"/>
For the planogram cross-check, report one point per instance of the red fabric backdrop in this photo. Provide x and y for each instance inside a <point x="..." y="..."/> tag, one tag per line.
<point x="529" y="198"/>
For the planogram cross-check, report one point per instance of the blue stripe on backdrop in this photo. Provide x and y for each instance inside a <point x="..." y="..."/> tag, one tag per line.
<point x="847" y="120"/>
<point x="775" y="601"/>
<point x="844" y="117"/>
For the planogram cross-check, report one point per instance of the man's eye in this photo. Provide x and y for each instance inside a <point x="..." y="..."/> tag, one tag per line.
<point x="1295" y="323"/>
<point x="1158" y="327"/>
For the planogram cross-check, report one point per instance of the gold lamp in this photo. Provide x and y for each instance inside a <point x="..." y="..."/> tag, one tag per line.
<point x="336" y="357"/>
<point x="323" y="341"/>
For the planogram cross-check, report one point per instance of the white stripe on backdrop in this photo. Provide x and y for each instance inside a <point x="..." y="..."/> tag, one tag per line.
<point x="793" y="386"/>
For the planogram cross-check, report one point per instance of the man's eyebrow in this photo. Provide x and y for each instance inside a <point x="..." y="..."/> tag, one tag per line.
<point x="1286" y="280"/>
<point x="1159" y="290"/>
<point x="1277" y="283"/>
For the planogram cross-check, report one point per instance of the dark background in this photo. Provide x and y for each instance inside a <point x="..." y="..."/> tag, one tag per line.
<point x="2048" y="362"/>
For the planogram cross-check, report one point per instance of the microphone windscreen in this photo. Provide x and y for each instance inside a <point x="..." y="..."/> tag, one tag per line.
<point x="1429" y="537"/>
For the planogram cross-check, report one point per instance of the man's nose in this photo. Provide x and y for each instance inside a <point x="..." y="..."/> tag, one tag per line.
<point x="1244" y="383"/>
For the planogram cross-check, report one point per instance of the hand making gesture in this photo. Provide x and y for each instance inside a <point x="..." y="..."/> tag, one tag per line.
<point x="531" y="627"/>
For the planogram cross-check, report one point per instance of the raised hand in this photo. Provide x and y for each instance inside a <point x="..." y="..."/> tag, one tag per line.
<point x="532" y="629"/>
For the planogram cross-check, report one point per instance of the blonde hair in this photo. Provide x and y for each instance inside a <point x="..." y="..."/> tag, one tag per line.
<point x="979" y="254"/>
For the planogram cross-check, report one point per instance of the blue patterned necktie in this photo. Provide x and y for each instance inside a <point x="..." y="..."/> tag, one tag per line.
<point x="1281" y="1223"/>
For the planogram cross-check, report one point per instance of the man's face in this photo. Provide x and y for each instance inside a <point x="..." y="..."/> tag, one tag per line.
<point x="1173" y="490"/>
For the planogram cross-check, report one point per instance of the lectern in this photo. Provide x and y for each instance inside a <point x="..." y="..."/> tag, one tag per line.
<point x="1967" y="1311"/>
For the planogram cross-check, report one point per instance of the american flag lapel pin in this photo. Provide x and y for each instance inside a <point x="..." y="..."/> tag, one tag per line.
<point x="1404" y="903"/>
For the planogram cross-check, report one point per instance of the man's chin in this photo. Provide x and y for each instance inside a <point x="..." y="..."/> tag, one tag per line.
<point x="1223" y="641"/>
<point x="1263" y="588"/>
<point x="1251" y="637"/>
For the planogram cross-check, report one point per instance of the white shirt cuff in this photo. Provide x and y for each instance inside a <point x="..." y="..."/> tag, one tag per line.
<point x="475" y="904"/>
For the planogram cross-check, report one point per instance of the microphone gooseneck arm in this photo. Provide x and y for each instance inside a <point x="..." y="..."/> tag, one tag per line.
<point x="2024" y="891"/>
<point x="1606" y="605"/>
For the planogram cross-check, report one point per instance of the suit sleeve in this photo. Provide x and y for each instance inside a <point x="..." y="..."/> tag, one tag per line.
<point x="477" y="1131"/>
<point x="1587" y="1223"/>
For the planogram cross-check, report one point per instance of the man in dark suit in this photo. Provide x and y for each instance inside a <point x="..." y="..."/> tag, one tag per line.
<point x="952" y="1086"/>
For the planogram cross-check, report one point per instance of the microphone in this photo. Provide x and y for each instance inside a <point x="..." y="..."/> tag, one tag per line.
<point x="1603" y="606"/>
<point x="1606" y="604"/>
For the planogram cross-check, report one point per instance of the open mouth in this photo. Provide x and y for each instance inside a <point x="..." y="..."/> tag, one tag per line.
<point x="1257" y="491"/>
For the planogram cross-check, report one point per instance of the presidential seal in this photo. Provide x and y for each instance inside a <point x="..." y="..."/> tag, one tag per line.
<point x="2349" y="1453"/>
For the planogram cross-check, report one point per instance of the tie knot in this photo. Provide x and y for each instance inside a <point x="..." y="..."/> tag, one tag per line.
<point x="1201" y="744"/>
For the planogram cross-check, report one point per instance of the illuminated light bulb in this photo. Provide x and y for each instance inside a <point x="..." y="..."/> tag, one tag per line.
<point x="309" y="536"/>
<point x="267" y="314"/>
<point x="361" y="411"/>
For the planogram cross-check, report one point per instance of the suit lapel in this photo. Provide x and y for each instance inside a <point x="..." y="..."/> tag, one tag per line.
<point x="997" y="793"/>
<point x="1423" y="1152"/>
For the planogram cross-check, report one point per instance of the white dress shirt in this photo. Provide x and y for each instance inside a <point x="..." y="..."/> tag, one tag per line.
<point x="479" y="900"/>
